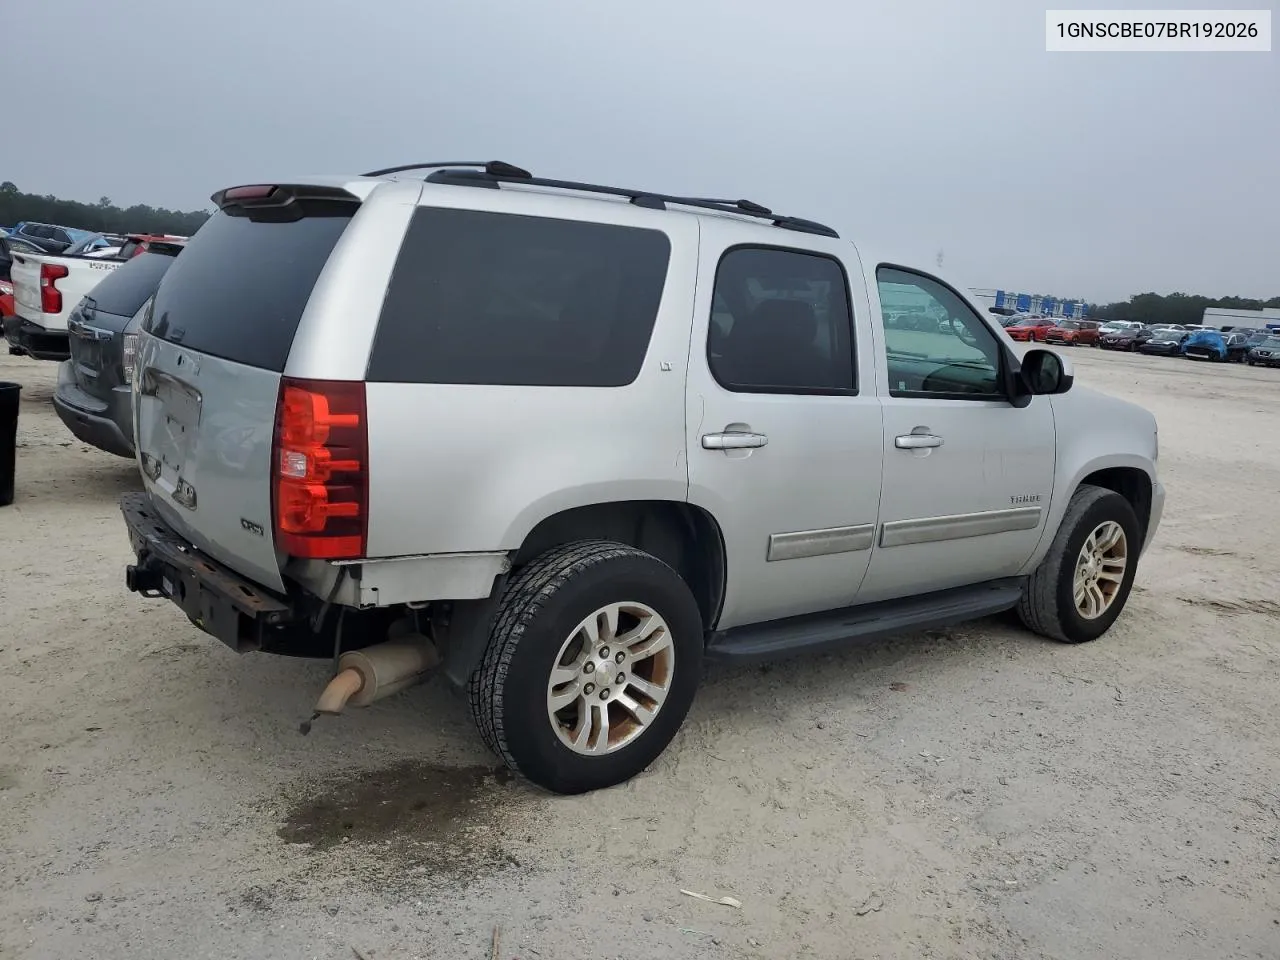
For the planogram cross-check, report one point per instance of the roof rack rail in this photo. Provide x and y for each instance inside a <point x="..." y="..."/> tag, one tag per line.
<point x="495" y="172"/>
<point x="489" y="166"/>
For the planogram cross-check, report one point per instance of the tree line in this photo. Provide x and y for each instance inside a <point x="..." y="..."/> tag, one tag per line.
<point x="1173" y="308"/>
<point x="105" y="217"/>
<point x="101" y="217"/>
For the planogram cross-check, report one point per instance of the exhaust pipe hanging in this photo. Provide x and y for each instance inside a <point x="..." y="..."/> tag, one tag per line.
<point x="367" y="675"/>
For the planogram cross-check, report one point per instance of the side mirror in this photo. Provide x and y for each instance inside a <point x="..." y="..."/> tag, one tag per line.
<point x="1044" y="372"/>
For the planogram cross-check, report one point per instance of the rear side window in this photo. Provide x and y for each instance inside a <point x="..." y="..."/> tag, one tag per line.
<point x="490" y="298"/>
<point x="780" y="323"/>
<point x="239" y="288"/>
<point x="125" y="289"/>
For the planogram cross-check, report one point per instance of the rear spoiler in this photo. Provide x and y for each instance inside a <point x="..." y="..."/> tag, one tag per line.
<point x="283" y="201"/>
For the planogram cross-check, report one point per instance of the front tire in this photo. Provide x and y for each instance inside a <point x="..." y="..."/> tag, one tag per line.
<point x="1083" y="583"/>
<point x="592" y="664"/>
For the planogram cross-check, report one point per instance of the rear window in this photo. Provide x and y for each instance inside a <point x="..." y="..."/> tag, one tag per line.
<point x="239" y="288"/>
<point x="125" y="289"/>
<point x="489" y="298"/>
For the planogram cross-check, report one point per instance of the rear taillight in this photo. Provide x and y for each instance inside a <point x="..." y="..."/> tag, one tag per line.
<point x="321" y="469"/>
<point x="50" y="295"/>
<point x="129" y="355"/>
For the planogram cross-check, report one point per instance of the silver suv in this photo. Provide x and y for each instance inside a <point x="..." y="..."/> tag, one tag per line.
<point x="564" y="442"/>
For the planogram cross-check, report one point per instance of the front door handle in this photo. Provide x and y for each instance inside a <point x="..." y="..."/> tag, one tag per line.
<point x="917" y="441"/>
<point x="733" y="440"/>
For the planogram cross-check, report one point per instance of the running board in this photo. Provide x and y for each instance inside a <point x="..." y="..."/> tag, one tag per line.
<point x="832" y="629"/>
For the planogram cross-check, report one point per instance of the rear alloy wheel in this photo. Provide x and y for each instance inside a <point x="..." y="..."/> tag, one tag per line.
<point x="592" y="664"/>
<point x="611" y="678"/>
<point x="1083" y="582"/>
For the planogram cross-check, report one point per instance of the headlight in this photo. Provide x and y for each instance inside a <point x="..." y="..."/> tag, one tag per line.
<point x="130" y="355"/>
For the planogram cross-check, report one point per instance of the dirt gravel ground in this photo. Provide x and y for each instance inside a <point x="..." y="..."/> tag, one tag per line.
<point x="973" y="793"/>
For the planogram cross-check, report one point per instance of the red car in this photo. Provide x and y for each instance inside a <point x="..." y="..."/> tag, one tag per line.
<point x="1073" y="333"/>
<point x="1031" y="328"/>
<point x="6" y="299"/>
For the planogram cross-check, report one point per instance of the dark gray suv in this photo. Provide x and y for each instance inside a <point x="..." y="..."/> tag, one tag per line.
<point x="93" y="396"/>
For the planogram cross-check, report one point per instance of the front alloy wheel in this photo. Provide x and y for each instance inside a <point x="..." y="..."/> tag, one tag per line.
<point x="1081" y="585"/>
<point x="1100" y="570"/>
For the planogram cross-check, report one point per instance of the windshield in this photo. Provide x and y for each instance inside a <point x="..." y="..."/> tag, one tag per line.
<point x="1270" y="342"/>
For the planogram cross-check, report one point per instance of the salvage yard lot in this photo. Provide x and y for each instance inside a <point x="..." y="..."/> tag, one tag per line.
<point x="977" y="792"/>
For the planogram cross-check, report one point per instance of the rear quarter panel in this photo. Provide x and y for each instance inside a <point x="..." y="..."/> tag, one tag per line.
<point x="469" y="468"/>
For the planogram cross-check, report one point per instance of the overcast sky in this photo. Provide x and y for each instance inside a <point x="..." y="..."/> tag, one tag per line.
<point x="917" y="125"/>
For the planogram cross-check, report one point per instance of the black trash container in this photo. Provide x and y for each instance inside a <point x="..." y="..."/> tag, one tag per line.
<point x="9" y="393"/>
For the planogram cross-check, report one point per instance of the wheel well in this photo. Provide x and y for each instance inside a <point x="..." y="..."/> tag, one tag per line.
<point x="1131" y="483"/>
<point x="681" y="535"/>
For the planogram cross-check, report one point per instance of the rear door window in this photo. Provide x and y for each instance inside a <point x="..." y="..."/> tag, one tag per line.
<point x="781" y="323"/>
<point x="239" y="288"/>
<point x="124" y="290"/>
<point x="490" y="298"/>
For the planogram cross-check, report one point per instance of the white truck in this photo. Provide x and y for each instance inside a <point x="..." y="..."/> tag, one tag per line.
<point x="46" y="288"/>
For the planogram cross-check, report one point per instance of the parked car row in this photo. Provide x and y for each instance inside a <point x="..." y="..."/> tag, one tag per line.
<point x="46" y="287"/>
<point x="1238" y="345"/>
<point x="1037" y="328"/>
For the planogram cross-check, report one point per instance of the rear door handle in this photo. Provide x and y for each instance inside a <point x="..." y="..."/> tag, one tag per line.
<point x="733" y="440"/>
<point x="917" y="441"/>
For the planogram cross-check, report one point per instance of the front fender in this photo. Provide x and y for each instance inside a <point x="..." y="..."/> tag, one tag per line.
<point x="1096" y="432"/>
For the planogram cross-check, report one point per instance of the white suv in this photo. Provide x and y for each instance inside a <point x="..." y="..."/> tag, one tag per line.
<point x="566" y="441"/>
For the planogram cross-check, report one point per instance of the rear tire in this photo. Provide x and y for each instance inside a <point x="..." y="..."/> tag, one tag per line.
<point x="544" y="654"/>
<point x="1053" y="602"/>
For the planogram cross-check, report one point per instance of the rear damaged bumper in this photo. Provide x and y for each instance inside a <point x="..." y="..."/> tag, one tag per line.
<point x="223" y="604"/>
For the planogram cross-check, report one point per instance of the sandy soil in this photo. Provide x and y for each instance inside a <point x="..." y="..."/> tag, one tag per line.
<point x="973" y="793"/>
